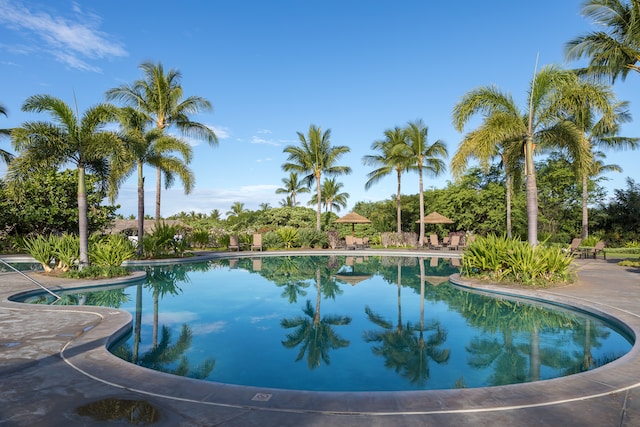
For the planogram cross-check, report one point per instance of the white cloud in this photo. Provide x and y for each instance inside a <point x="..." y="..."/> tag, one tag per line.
<point x="266" y="159"/>
<point x="258" y="140"/>
<point x="264" y="132"/>
<point x="72" y="42"/>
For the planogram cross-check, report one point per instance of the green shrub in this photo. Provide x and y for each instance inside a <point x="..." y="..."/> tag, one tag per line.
<point x="512" y="260"/>
<point x="311" y="238"/>
<point x="199" y="238"/>
<point x="66" y="251"/>
<point x="97" y="272"/>
<point x="111" y="251"/>
<point x="42" y="249"/>
<point x="288" y="235"/>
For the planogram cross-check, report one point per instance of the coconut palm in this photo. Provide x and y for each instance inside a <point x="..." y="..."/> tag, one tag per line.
<point x="5" y="155"/>
<point x="293" y="187"/>
<point x="615" y="50"/>
<point x="388" y="161"/>
<point x="159" y="96"/>
<point x="332" y="198"/>
<point x="69" y="138"/>
<point x="313" y="157"/>
<point x="237" y="209"/>
<point x="147" y="147"/>
<point x="539" y="123"/>
<point x="425" y="158"/>
<point x="484" y="144"/>
<point x="597" y="115"/>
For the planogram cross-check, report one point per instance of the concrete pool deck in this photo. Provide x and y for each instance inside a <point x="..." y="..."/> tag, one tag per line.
<point x="55" y="370"/>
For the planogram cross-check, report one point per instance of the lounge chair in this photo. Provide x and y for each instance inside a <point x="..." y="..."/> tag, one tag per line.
<point x="454" y="245"/>
<point x="350" y="242"/>
<point x="233" y="243"/>
<point x="257" y="242"/>
<point x="574" y="246"/>
<point x="357" y="241"/>
<point x="433" y="242"/>
<point x="599" y="247"/>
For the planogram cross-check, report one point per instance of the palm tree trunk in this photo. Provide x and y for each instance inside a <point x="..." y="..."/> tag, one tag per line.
<point x="83" y="222"/>
<point x="398" y="202"/>
<point x="319" y="194"/>
<point x="509" y="189"/>
<point x="421" y="241"/>
<point x="585" y="210"/>
<point x="140" y="208"/>
<point x="532" y="198"/>
<point x="158" y="190"/>
<point x="156" y="299"/>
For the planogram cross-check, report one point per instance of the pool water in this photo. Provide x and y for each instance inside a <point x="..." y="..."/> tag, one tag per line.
<point x="347" y="323"/>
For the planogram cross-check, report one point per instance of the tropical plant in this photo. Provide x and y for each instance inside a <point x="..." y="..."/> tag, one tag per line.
<point x="425" y="158"/>
<point x="159" y="97"/>
<point x="540" y="123"/>
<point x="111" y="250"/>
<point x="332" y="198"/>
<point x="68" y="139"/>
<point x="511" y="260"/>
<point x="5" y="155"/>
<point x="388" y="161"/>
<point x="614" y="51"/>
<point x="288" y="235"/>
<point x="42" y="249"/>
<point x="488" y="141"/>
<point x="151" y="147"/>
<point x="315" y="156"/>
<point x="292" y="187"/>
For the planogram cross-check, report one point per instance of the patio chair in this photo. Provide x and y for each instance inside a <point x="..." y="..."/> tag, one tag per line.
<point x="350" y="242"/>
<point x="454" y="244"/>
<point x="599" y="247"/>
<point x="357" y="241"/>
<point x="257" y="242"/>
<point x="573" y="247"/>
<point x="233" y="243"/>
<point x="433" y="242"/>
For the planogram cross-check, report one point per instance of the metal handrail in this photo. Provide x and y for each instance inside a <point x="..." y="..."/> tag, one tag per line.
<point x="30" y="278"/>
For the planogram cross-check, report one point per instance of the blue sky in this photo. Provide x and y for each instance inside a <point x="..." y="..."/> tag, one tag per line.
<point x="272" y="68"/>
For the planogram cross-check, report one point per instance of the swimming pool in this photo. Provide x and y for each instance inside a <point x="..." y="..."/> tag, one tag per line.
<point x="347" y="323"/>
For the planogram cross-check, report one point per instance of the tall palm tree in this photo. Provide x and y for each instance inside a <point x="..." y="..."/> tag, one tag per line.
<point x="486" y="143"/>
<point x="331" y="196"/>
<point x="597" y="115"/>
<point x="425" y="157"/>
<point x="313" y="157"/>
<point x="293" y="187"/>
<point x="387" y="161"/>
<point x="140" y="147"/>
<point x="159" y="96"/>
<point x="614" y="51"/>
<point x="5" y="155"/>
<point x="69" y="138"/>
<point x="539" y="123"/>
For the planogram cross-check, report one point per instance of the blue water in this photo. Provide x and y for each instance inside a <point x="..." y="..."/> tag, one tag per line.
<point x="380" y="327"/>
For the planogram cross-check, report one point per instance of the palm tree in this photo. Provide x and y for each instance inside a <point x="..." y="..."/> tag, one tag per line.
<point x="596" y="114"/>
<point x="293" y="187"/>
<point x="237" y="208"/>
<point x="387" y="161"/>
<point x="424" y="157"/>
<point x="5" y="155"/>
<point x="485" y="143"/>
<point x="313" y="157"/>
<point x="68" y="139"/>
<point x="159" y="96"/>
<point x="151" y="147"/>
<point x="615" y="51"/>
<point x="539" y="123"/>
<point x="331" y="196"/>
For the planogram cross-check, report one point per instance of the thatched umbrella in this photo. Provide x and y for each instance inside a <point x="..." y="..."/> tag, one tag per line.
<point x="436" y="218"/>
<point x="354" y="219"/>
